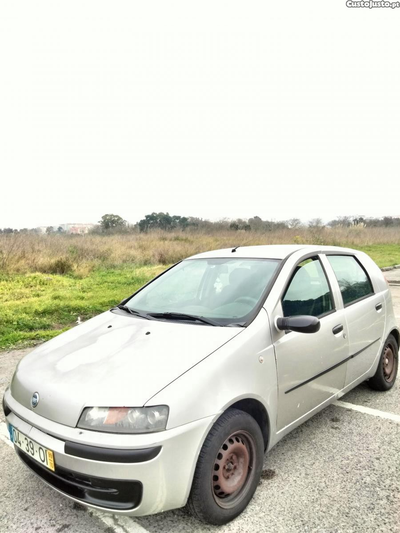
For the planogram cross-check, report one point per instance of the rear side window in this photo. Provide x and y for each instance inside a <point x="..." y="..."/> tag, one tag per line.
<point x="352" y="278"/>
<point x="308" y="292"/>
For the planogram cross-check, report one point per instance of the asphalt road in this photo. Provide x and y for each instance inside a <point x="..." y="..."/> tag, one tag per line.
<point x="339" y="472"/>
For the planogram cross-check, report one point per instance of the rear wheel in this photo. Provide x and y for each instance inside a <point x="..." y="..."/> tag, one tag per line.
<point x="228" y="469"/>
<point x="385" y="375"/>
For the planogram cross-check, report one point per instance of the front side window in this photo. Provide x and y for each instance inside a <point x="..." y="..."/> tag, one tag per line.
<point x="222" y="289"/>
<point x="352" y="278"/>
<point x="308" y="292"/>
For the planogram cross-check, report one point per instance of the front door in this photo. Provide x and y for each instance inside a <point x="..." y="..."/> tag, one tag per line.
<point x="311" y="367"/>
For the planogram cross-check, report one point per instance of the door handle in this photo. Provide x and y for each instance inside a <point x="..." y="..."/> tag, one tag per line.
<point x="337" y="329"/>
<point x="378" y="307"/>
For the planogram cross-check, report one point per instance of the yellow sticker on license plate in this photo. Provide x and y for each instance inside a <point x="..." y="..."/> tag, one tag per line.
<point x="39" y="453"/>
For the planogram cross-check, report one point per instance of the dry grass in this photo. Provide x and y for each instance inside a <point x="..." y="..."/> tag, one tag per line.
<point x="47" y="281"/>
<point x="79" y="255"/>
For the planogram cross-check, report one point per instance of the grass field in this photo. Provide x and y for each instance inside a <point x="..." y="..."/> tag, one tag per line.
<point x="79" y="255"/>
<point x="36" y="307"/>
<point x="46" y="282"/>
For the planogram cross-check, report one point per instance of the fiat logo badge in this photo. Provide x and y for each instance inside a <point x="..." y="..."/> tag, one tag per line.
<point x="35" y="399"/>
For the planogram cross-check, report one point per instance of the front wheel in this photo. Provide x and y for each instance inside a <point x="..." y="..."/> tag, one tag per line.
<point x="228" y="469"/>
<point x="386" y="373"/>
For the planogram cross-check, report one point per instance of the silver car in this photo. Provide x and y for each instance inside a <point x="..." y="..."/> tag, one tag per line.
<point x="173" y="397"/>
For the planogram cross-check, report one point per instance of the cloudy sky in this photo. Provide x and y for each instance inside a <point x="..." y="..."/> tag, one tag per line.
<point x="211" y="109"/>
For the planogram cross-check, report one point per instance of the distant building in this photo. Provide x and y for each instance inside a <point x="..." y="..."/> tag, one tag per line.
<point x="76" y="228"/>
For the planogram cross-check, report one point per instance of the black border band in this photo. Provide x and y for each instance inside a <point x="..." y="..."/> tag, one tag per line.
<point x="111" y="455"/>
<point x="332" y="367"/>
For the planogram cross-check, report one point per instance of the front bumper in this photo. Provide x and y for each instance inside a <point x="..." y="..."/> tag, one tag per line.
<point x="114" y="494"/>
<point x="156" y="475"/>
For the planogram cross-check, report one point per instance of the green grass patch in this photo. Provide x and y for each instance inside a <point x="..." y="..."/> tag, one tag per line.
<point x="37" y="307"/>
<point x="384" y="255"/>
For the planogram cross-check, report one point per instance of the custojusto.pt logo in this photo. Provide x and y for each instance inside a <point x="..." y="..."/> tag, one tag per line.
<point x="372" y="4"/>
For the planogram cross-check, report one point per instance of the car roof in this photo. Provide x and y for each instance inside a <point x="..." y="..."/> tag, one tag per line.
<point x="274" y="251"/>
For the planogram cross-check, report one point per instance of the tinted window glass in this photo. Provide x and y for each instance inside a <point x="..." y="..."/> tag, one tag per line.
<point x="225" y="290"/>
<point x="308" y="292"/>
<point x="353" y="281"/>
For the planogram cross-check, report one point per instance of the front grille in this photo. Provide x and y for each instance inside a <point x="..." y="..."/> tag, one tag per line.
<point x="114" y="494"/>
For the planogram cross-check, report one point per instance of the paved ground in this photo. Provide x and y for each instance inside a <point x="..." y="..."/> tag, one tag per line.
<point x="339" y="472"/>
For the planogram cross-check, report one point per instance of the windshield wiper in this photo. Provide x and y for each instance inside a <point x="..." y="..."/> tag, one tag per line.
<point x="184" y="316"/>
<point x="131" y="311"/>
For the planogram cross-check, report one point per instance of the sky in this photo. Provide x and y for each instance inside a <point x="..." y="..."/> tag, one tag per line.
<point x="214" y="109"/>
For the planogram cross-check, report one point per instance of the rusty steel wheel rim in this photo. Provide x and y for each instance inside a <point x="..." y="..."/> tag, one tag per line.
<point x="389" y="363"/>
<point x="233" y="469"/>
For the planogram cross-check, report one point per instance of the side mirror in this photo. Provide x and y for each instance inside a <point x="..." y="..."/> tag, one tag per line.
<point x="301" y="323"/>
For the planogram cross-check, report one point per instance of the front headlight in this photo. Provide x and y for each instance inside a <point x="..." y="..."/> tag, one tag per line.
<point x="125" y="419"/>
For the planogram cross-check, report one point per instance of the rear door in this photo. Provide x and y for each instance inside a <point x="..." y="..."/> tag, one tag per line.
<point x="365" y="313"/>
<point x="311" y="367"/>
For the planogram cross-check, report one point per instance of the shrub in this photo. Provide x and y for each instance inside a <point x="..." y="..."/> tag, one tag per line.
<point x="61" y="265"/>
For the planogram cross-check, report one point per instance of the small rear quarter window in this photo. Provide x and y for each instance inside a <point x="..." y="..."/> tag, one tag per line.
<point x="353" y="280"/>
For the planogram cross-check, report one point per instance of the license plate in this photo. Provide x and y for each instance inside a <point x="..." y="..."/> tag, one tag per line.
<point x="38" y="452"/>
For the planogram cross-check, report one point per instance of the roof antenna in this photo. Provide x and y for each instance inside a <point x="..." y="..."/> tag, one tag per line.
<point x="234" y="249"/>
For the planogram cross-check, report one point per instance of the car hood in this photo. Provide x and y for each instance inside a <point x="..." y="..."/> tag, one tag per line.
<point x="111" y="360"/>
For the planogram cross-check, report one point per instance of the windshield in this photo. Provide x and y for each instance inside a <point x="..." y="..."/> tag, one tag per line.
<point x="225" y="291"/>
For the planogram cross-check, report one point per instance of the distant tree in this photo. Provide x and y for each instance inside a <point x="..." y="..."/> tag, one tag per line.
<point x="293" y="223"/>
<point x="8" y="230"/>
<point x="388" y="221"/>
<point x="195" y="222"/>
<point x="95" y="230"/>
<point x="272" y="225"/>
<point x="60" y="229"/>
<point x="256" y="223"/>
<point x="359" y="221"/>
<point x="239" y="224"/>
<point x="112" y="222"/>
<point x="181" y="222"/>
<point x="343" y="221"/>
<point x="149" y="222"/>
<point x="49" y="230"/>
<point x="315" y="223"/>
<point x="163" y="221"/>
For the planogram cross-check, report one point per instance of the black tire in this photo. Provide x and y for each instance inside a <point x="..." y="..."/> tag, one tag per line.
<point x="385" y="375"/>
<point x="230" y="460"/>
